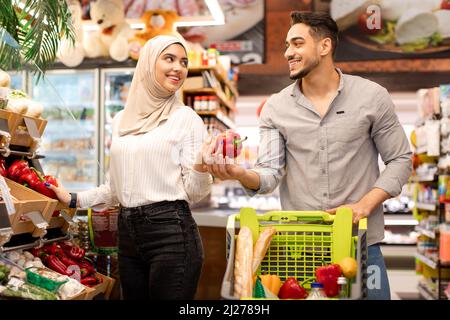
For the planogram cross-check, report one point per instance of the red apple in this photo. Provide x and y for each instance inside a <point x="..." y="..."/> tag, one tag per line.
<point x="445" y="5"/>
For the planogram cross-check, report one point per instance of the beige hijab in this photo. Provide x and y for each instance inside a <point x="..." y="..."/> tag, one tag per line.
<point x="148" y="102"/>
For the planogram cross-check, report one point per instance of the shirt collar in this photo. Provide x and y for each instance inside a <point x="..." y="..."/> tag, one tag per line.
<point x="297" y="92"/>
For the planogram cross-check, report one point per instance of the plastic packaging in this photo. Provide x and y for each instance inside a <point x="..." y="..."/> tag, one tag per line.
<point x="316" y="292"/>
<point x="433" y="137"/>
<point x="37" y="276"/>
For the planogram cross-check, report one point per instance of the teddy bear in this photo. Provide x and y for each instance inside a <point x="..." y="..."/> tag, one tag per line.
<point x="72" y="54"/>
<point x="112" y="38"/>
<point x="157" y="22"/>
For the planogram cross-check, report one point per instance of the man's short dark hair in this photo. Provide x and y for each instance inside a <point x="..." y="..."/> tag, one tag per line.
<point x="321" y="25"/>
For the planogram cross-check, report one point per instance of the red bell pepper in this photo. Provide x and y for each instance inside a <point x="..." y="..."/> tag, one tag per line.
<point x="291" y="289"/>
<point x="73" y="251"/>
<point x="38" y="252"/>
<point x="30" y="178"/>
<point x="86" y="265"/>
<point x="89" y="281"/>
<point x="54" y="263"/>
<point x="16" y="169"/>
<point x="3" y="170"/>
<point x="328" y="276"/>
<point x="41" y="187"/>
<point x="67" y="261"/>
<point x="230" y="142"/>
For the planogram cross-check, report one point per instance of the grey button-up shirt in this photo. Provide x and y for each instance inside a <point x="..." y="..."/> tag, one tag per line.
<point x="321" y="163"/>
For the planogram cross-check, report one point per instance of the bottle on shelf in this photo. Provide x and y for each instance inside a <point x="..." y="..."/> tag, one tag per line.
<point x="212" y="103"/>
<point x="197" y="103"/>
<point x="212" y="57"/>
<point x="204" y="103"/>
<point x="205" y="58"/>
<point x="316" y="292"/>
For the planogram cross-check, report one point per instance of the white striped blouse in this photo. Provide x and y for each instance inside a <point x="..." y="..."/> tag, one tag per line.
<point x="154" y="166"/>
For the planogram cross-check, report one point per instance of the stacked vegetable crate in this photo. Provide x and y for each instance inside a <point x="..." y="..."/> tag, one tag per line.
<point x="18" y="133"/>
<point x="20" y="136"/>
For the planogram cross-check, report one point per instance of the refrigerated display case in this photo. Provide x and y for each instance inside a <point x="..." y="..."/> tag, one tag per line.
<point x="69" y="143"/>
<point x="18" y="80"/>
<point x="115" y="84"/>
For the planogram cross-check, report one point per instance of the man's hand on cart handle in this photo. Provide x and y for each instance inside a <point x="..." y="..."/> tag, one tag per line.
<point x="366" y="205"/>
<point x="360" y="211"/>
<point x="60" y="192"/>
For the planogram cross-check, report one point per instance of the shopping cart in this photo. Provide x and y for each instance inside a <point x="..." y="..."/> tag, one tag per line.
<point x="303" y="242"/>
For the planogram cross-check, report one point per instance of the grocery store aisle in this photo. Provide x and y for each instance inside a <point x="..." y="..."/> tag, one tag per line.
<point x="403" y="284"/>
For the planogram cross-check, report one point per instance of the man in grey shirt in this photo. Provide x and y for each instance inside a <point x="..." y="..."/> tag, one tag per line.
<point x="321" y="136"/>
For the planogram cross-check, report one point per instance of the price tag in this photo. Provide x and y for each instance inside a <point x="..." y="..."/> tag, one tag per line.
<point x="7" y="196"/>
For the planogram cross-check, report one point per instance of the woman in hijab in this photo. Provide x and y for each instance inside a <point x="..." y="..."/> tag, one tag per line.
<point x="155" y="171"/>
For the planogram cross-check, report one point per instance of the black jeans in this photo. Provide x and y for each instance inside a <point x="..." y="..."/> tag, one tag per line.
<point x="160" y="252"/>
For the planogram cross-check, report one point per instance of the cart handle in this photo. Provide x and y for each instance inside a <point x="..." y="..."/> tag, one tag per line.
<point x="287" y="216"/>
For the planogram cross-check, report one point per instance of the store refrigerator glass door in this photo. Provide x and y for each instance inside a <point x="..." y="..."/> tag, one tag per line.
<point x="69" y="142"/>
<point x="17" y="80"/>
<point x="116" y="84"/>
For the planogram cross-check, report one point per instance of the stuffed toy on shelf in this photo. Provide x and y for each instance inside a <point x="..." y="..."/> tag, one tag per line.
<point x="157" y="22"/>
<point x="112" y="38"/>
<point x="72" y="54"/>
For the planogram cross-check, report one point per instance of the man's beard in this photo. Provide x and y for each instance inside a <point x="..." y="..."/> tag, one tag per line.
<point x="305" y="71"/>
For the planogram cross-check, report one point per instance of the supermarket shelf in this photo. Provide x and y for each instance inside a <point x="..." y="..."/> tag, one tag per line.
<point x="426" y="293"/>
<point x="428" y="261"/>
<point x="399" y="219"/>
<point x="426" y="206"/>
<point x="218" y="75"/>
<point x="400" y="244"/>
<point x="425" y="178"/>
<point x="229" y="104"/>
<point x="398" y="250"/>
<point x="220" y="116"/>
<point x="426" y="232"/>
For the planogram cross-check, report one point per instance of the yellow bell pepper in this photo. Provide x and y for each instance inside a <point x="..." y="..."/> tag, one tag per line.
<point x="272" y="282"/>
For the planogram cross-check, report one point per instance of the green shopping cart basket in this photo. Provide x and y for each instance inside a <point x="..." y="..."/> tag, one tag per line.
<point x="303" y="242"/>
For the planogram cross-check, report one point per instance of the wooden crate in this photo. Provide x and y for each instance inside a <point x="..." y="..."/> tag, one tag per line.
<point x="59" y="221"/>
<point x="30" y="201"/>
<point x="105" y="287"/>
<point x="17" y="207"/>
<point x="81" y="295"/>
<point x="18" y="129"/>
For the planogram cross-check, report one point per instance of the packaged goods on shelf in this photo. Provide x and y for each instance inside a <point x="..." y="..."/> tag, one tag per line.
<point x="444" y="245"/>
